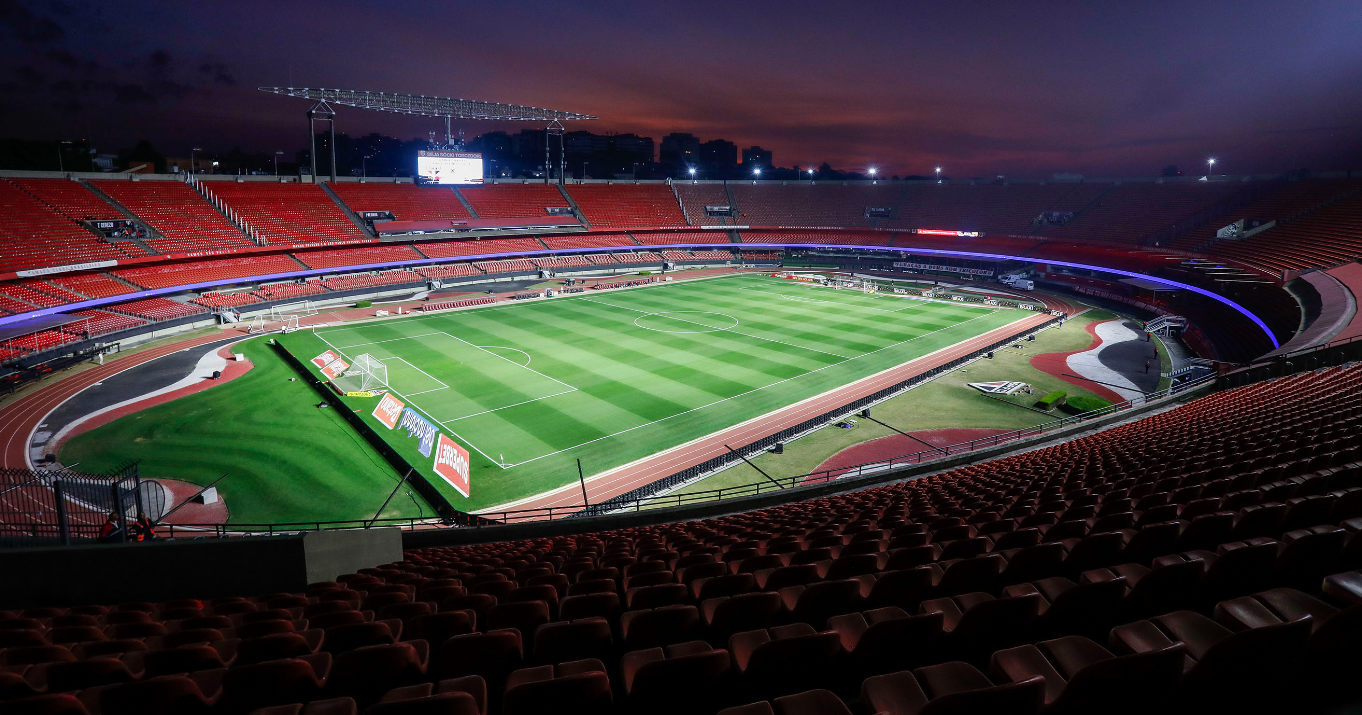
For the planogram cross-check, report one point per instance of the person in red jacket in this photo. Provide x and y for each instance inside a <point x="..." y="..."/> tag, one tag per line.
<point x="109" y="531"/>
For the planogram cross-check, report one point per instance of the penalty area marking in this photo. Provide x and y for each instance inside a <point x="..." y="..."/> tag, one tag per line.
<point x="528" y="359"/>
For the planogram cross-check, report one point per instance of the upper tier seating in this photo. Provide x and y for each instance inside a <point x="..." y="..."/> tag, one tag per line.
<point x="32" y="292"/>
<point x="990" y="208"/>
<point x="407" y="202"/>
<point x="1323" y="238"/>
<point x="287" y="214"/>
<point x="35" y="234"/>
<point x="694" y="199"/>
<point x="68" y="197"/>
<point x="1134" y="213"/>
<point x="454" y="249"/>
<point x="216" y="269"/>
<point x="178" y="212"/>
<point x="818" y="204"/>
<point x="639" y="257"/>
<point x="93" y="285"/>
<point x="513" y="200"/>
<point x="359" y="256"/>
<point x="1276" y="203"/>
<point x="854" y="239"/>
<point x="556" y="262"/>
<point x="620" y="206"/>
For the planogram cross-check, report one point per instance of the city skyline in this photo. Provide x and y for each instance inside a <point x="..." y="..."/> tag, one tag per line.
<point x="993" y="88"/>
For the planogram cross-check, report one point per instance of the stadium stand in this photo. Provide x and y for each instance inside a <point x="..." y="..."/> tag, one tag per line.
<point x="13" y="306"/>
<point x="1134" y="213"/>
<point x="606" y="240"/>
<point x="35" y="235"/>
<point x="102" y="323"/>
<point x="804" y="204"/>
<point x="513" y="200"/>
<point x="639" y="257"/>
<point x="359" y="256"/>
<point x="93" y="285"/>
<point x="369" y="280"/>
<point x="54" y="290"/>
<point x="178" y="212"/>
<point x="620" y="206"/>
<point x="664" y="238"/>
<point x="285" y="291"/>
<point x="1325" y="237"/>
<point x="455" y="249"/>
<point x="1279" y="203"/>
<point x="989" y="208"/>
<point x="69" y="198"/>
<point x="712" y="255"/>
<point x="855" y="239"/>
<point x="695" y="197"/>
<point x="157" y="309"/>
<point x="407" y="202"/>
<point x="177" y="274"/>
<point x="287" y="213"/>
<point x="225" y="300"/>
<point x="451" y="270"/>
<point x="515" y="265"/>
<point x="1084" y="577"/>
<point x="601" y="259"/>
<point x="29" y="293"/>
<point x="555" y="262"/>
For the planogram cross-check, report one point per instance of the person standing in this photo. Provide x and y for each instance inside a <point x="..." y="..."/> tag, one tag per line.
<point x="1146" y="367"/>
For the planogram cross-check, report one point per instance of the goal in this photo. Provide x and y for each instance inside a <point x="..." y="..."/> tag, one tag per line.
<point x="366" y="374"/>
<point x="280" y="312"/>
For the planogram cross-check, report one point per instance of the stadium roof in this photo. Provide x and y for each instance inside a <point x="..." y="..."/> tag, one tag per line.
<point x="427" y="106"/>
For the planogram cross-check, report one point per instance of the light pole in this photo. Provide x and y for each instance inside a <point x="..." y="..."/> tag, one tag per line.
<point x="584" y="170"/>
<point x="692" y="174"/>
<point x="61" y="163"/>
<point x="276" y="163"/>
<point x="873" y="172"/>
<point x="811" y="170"/>
<point x="938" y="174"/>
<point x="364" y="166"/>
<point x="192" y="169"/>
<point x="1210" y="165"/>
<point x="756" y="174"/>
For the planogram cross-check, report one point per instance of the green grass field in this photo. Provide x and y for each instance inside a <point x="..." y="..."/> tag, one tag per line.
<point x="609" y="377"/>
<point x="285" y="459"/>
<point x="614" y="376"/>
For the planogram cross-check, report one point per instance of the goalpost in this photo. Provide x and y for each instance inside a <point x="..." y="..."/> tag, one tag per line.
<point x="366" y="374"/>
<point x="282" y="312"/>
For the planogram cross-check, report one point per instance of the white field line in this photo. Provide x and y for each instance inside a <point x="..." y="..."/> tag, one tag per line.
<point x="504" y="407"/>
<point x="748" y="392"/>
<point x="442" y="386"/>
<point x="668" y="314"/>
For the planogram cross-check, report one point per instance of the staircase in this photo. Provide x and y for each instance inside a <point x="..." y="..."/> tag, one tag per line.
<point x="354" y="217"/>
<point x="151" y="230"/>
<point x="575" y="208"/>
<point x="1164" y="323"/>
<point x="467" y="206"/>
<point x="226" y="211"/>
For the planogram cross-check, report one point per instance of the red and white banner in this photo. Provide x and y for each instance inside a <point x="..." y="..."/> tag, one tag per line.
<point x="451" y="463"/>
<point x="325" y="359"/>
<point x="335" y="368"/>
<point x="388" y="410"/>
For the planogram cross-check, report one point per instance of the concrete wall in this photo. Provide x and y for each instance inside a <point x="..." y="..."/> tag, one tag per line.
<point x="187" y="568"/>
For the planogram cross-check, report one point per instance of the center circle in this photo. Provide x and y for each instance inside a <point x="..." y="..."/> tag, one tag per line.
<point x="686" y="321"/>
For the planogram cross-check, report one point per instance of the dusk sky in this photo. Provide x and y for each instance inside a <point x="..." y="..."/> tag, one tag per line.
<point x="981" y="88"/>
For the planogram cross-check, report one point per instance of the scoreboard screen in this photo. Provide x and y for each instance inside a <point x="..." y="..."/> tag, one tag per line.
<point x="449" y="167"/>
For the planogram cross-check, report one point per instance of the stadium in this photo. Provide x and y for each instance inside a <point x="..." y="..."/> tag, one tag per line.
<point x="453" y="441"/>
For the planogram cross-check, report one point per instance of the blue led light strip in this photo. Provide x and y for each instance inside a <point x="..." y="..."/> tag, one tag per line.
<point x="128" y="297"/>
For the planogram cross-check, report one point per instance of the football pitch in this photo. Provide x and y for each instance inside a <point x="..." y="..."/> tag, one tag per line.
<point x="609" y="377"/>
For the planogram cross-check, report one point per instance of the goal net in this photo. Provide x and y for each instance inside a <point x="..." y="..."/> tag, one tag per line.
<point x="280" y="312"/>
<point x="367" y="374"/>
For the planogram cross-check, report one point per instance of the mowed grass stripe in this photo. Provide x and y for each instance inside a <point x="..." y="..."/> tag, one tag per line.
<point x="639" y="391"/>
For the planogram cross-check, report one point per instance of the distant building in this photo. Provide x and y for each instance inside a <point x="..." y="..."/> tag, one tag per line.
<point x="756" y="156"/>
<point x="719" y="155"/>
<point x="680" y="149"/>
